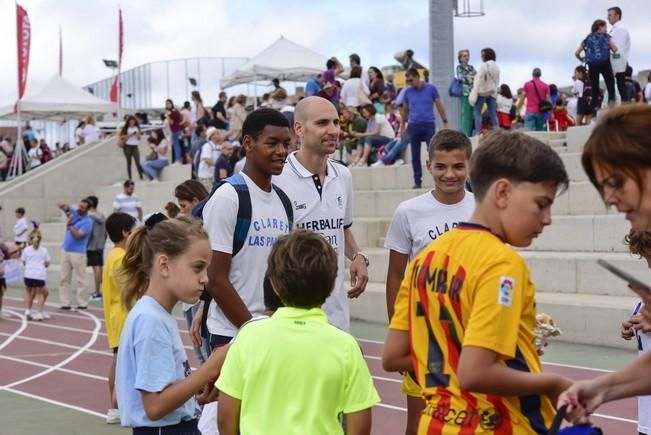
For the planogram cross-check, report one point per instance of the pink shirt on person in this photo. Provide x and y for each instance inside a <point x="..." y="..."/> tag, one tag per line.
<point x="532" y="99"/>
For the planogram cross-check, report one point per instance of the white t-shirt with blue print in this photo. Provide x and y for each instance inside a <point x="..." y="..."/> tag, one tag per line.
<point x="268" y="222"/>
<point x="151" y="357"/>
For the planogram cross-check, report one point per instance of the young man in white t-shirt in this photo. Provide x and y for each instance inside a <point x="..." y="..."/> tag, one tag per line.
<point x="321" y="191"/>
<point x="419" y="221"/>
<point x="128" y="202"/>
<point x="21" y="228"/>
<point x="236" y="281"/>
<point x="639" y="243"/>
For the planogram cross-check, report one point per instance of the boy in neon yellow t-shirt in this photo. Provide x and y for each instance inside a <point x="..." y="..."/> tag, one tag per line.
<point x="294" y="373"/>
<point x="118" y="227"/>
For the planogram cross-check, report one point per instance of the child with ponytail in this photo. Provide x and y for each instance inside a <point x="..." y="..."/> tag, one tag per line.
<point x="35" y="259"/>
<point x="164" y="263"/>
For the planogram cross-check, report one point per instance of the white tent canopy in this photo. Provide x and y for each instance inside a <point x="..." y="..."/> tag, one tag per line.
<point x="58" y="100"/>
<point x="284" y="60"/>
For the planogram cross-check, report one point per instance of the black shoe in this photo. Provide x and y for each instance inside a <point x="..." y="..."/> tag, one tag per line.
<point x="416" y="186"/>
<point x="80" y="307"/>
<point x="65" y="308"/>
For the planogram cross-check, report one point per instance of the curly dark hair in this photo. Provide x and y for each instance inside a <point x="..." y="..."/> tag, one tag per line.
<point x="639" y="242"/>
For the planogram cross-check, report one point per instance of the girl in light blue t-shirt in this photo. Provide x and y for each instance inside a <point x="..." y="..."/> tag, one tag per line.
<point x="165" y="262"/>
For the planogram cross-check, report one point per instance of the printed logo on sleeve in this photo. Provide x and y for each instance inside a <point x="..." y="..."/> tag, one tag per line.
<point x="506" y="289"/>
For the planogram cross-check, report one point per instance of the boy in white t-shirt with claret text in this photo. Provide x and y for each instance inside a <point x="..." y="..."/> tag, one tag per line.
<point x="419" y="221"/>
<point x="639" y="243"/>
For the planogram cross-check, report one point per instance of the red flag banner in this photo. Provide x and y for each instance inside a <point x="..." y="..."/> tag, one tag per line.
<point x="113" y="96"/>
<point x="23" y="33"/>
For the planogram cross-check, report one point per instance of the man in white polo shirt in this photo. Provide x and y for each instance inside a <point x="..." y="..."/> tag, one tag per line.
<point x="622" y="40"/>
<point x="321" y="191"/>
<point x="128" y="202"/>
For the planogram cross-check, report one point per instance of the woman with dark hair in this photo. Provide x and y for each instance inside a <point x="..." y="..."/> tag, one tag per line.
<point x="485" y="88"/>
<point x="355" y="92"/>
<point x="617" y="160"/>
<point x="202" y="116"/>
<point x="174" y="120"/>
<point x="376" y="88"/>
<point x="596" y="48"/>
<point x="158" y="145"/>
<point x="466" y="73"/>
<point x="504" y="106"/>
<point x="378" y="132"/>
<point x="129" y="140"/>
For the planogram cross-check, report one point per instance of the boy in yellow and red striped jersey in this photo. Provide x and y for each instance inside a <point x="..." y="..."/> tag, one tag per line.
<point x="465" y="311"/>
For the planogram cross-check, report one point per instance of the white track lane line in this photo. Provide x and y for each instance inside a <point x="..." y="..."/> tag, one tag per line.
<point x="56" y="402"/>
<point x="81" y="350"/>
<point x="70" y="328"/>
<point x="60" y="369"/>
<point x="545" y="363"/>
<point x="23" y="326"/>
<point x="67" y="346"/>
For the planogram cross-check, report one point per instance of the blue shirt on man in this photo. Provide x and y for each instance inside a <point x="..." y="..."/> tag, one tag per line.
<point x="83" y="223"/>
<point x="151" y="357"/>
<point x="420" y="101"/>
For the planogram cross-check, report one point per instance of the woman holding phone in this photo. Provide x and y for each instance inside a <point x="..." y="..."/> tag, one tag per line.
<point x="617" y="159"/>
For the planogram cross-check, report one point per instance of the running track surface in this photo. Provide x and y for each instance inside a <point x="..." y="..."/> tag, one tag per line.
<point x="65" y="361"/>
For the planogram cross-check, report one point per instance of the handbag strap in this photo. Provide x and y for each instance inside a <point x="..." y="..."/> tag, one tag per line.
<point x="535" y="88"/>
<point x="558" y="419"/>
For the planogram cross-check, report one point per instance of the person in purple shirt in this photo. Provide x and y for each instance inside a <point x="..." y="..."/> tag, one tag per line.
<point x="417" y="117"/>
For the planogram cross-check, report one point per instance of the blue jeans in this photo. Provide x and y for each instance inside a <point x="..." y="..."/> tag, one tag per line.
<point x="491" y="105"/>
<point x="534" y="121"/>
<point x="176" y="147"/>
<point x="202" y="352"/>
<point x="376" y="141"/>
<point x="418" y="132"/>
<point x="394" y="150"/>
<point x="151" y="167"/>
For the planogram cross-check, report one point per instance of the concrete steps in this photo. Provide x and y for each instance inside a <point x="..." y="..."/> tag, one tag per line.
<point x="583" y="318"/>
<point x="579" y="233"/>
<point x="555" y="272"/>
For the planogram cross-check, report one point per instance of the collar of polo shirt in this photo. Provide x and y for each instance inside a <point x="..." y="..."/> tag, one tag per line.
<point x="304" y="173"/>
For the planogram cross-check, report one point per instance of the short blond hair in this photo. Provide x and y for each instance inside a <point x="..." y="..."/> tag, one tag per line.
<point x="461" y="52"/>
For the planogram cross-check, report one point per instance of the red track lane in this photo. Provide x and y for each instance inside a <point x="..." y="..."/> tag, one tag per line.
<point x="81" y="382"/>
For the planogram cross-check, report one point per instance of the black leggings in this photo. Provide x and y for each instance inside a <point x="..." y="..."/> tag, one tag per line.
<point x="606" y="70"/>
<point x="132" y="152"/>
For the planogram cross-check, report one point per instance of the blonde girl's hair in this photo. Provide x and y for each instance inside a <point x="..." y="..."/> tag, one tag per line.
<point x="170" y="237"/>
<point x="35" y="238"/>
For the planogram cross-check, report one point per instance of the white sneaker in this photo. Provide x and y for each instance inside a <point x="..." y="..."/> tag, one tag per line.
<point x="400" y="162"/>
<point x="44" y="315"/>
<point x="113" y="416"/>
<point x="378" y="164"/>
<point x="36" y="316"/>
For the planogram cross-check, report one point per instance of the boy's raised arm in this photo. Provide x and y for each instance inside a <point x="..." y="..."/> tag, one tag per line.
<point x="480" y="372"/>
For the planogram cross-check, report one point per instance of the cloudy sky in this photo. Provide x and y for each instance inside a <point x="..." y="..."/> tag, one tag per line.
<point x="524" y="33"/>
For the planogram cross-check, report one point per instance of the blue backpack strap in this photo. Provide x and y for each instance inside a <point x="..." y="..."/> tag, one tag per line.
<point x="287" y="205"/>
<point x="244" y="211"/>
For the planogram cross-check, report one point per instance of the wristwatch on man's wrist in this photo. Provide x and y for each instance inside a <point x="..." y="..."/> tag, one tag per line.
<point x="363" y="257"/>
